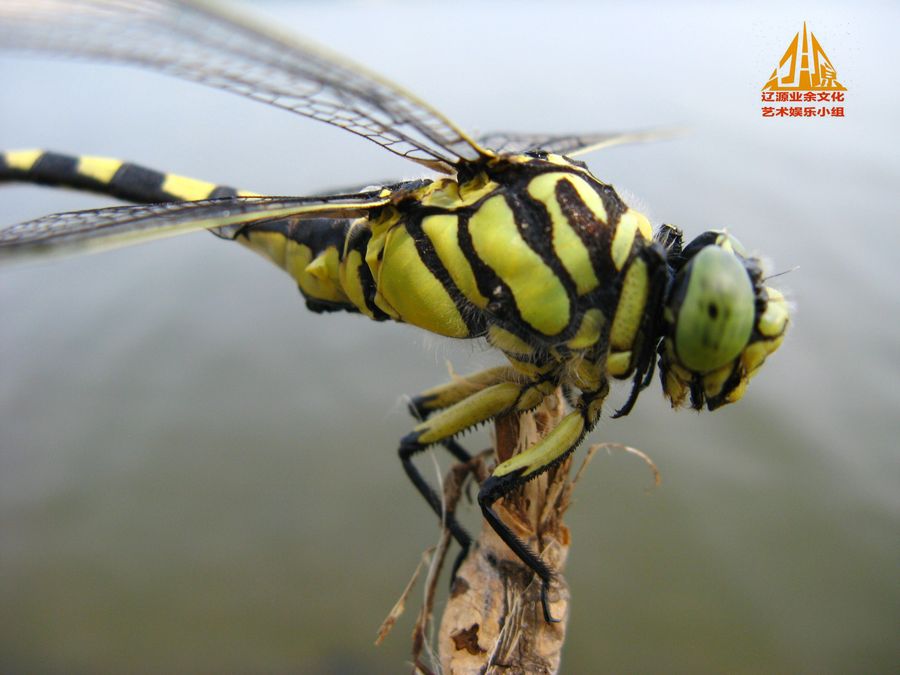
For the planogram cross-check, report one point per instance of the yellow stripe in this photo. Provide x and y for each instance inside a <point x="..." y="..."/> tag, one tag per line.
<point x="317" y="277"/>
<point x="442" y="193"/>
<point x="539" y="294"/>
<point x="188" y="189"/>
<point x="589" y="331"/>
<point x="504" y="340"/>
<point x="644" y="226"/>
<point x="408" y="289"/>
<point x="628" y="226"/>
<point x="350" y="280"/>
<point x="775" y="318"/>
<point x="471" y="191"/>
<point x="618" y="363"/>
<point x="590" y="197"/>
<point x="568" y="246"/>
<point x="736" y="393"/>
<point x="320" y="278"/>
<point x="443" y="232"/>
<point x="450" y="195"/>
<point x="99" y="168"/>
<point x="22" y="160"/>
<point x="630" y="310"/>
<point x="269" y="244"/>
<point x="714" y="381"/>
<point x="558" y="160"/>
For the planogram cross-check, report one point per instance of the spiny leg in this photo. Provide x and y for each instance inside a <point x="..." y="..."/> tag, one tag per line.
<point x="445" y="395"/>
<point x="465" y="405"/>
<point x="460" y="387"/>
<point x="531" y="463"/>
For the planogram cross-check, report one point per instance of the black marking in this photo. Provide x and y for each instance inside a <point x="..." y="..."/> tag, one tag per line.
<point x="536" y="229"/>
<point x="222" y="191"/>
<point x="52" y="168"/>
<point x="324" y="306"/>
<point x="410" y="446"/>
<point x="671" y="238"/>
<point x="501" y="308"/>
<point x="471" y="315"/>
<point x="648" y="340"/>
<point x="697" y="244"/>
<point x="319" y="234"/>
<point x="138" y="184"/>
<point x="419" y="406"/>
<point x="596" y="235"/>
<point x="130" y="182"/>
<point x="491" y="490"/>
<point x="55" y="170"/>
<point x="357" y="239"/>
<point x="696" y="389"/>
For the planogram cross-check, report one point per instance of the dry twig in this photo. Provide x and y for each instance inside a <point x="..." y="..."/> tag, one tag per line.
<point x="493" y="621"/>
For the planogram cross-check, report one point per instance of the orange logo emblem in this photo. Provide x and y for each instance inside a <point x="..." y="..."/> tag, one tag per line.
<point x="804" y="67"/>
<point x="804" y="75"/>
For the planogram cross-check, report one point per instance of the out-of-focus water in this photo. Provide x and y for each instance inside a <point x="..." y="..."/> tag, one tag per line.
<point x="198" y="475"/>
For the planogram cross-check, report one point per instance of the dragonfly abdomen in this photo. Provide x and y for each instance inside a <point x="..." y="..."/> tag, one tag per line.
<point x="309" y="250"/>
<point x="315" y="253"/>
<point x="106" y="175"/>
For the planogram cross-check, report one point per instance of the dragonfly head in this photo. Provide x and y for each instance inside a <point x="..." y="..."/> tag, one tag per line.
<point x="721" y="322"/>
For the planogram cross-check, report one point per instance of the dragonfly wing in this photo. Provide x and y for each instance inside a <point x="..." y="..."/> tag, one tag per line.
<point x="195" y="41"/>
<point x="570" y="145"/>
<point x="114" y="227"/>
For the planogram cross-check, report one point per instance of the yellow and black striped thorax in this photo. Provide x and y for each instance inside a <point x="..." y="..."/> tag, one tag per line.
<point x="532" y="248"/>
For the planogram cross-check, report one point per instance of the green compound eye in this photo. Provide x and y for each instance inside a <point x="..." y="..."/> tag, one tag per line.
<point x="717" y="313"/>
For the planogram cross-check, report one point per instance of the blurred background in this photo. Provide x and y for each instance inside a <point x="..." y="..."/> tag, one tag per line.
<point x="198" y="475"/>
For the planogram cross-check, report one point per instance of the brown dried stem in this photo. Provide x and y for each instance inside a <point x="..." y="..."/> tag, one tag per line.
<point x="493" y="622"/>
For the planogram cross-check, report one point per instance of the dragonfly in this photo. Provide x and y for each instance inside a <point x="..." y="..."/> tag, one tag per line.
<point x="513" y="240"/>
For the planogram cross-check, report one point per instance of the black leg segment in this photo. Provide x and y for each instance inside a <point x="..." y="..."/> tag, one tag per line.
<point x="410" y="446"/>
<point x="493" y="489"/>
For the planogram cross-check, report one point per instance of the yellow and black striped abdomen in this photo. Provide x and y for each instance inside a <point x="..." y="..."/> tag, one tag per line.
<point x="309" y="250"/>
<point x="312" y="251"/>
<point x="114" y="177"/>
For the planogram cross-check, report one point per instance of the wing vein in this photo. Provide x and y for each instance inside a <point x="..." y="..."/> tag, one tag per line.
<point x="196" y="42"/>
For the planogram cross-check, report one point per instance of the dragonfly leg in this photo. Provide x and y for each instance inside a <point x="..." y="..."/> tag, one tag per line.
<point x="460" y="387"/>
<point x="519" y="469"/>
<point x="445" y="395"/>
<point x="460" y="406"/>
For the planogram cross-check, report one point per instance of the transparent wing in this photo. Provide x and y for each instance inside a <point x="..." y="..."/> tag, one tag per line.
<point x="571" y="145"/>
<point x="195" y="41"/>
<point x="114" y="227"/>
